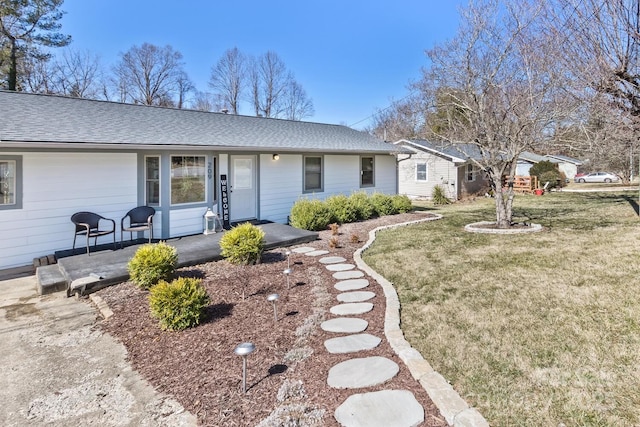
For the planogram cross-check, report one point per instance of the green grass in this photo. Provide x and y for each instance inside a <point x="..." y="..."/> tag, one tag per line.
<point x="531" y="329"/>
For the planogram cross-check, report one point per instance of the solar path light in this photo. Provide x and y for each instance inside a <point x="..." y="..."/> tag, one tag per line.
<point x="287" y="272"/>
<point x="244" y="349"/>
<point x="288" y="254"/>
<point x="274" y="298"/>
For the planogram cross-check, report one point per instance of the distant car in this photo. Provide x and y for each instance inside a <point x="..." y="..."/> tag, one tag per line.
<point x="596" y="177"/>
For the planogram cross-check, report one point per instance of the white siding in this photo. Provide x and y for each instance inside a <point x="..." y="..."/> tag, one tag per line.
<point x="439" y="172"/>
<point x="55" y="186"/>
<point x="281" y="181"/>
<point x="184" y="222"/>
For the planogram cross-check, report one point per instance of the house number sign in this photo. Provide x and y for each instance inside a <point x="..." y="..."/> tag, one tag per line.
<point x="224" y="194"/>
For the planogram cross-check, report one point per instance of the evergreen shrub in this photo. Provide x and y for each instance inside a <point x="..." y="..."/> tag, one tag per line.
<point x="312" y="215"/>
<point x="152" y="263"/>
<point x="243" y="244"/>
<point x="178" y="304"/>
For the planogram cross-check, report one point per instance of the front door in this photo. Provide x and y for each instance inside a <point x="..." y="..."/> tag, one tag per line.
<point x="242" y="188"/>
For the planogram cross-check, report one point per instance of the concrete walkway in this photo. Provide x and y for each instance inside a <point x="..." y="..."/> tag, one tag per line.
<point x="57" y="370"/>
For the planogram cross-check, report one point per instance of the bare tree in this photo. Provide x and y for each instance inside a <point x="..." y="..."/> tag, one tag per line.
<point x="25" y="25"/>
<point x="149" y="74"/>
<point x="402" y="119"/>
<point x="77" y="74"/>
<point x="228" y="78"/>
<point x="269" y="81"/>
<point x="184" y="87"/>
<point x="501" y="90"/>
<point x="297" y="105"/>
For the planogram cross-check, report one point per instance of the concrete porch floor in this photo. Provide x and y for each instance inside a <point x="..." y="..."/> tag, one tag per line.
<point x="108" y="267"/>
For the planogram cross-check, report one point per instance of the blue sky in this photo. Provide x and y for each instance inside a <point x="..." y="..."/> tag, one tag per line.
<point x="352" y="57"/>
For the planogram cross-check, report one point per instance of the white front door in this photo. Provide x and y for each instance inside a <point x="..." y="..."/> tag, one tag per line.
<point x="242" y="188"/>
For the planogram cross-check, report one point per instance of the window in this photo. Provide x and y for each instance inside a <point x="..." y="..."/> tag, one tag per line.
<point x="10" y="182"/>
<point x="312" y="173"/>
<point x="470" y="172"/>
<point x="188" y="179"/>
<point x="421" y="171"/>
<point x="366" y="171"/>
<point x="152" y="180"/>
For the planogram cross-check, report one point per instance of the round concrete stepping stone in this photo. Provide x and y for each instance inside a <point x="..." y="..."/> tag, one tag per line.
<point x="363" y="372"/>
<point x="331" y="260"/>
<point x="357" y="296"/>
<point x="349" y="274"/>
<point x="352" y="343"/>
<point x="351" y="308"/>
<point x="316" y="253"/>
<point x="340" y="267"/>
<point x="344" y="325"/>
<point x="351" y="284"/>
<point x="303" y="249"/>
<point x="386" y="408"/>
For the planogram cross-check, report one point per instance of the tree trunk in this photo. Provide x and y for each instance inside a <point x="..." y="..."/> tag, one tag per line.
<point x="504" y="202"/>
<point x="13" y="65"/>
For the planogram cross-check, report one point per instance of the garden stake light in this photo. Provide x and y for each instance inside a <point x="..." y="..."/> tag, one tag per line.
<point x="287" y="272"/>
<point x="288" y="254"/>
<point x="274" y="298"/>
<point x="244" y="349"/>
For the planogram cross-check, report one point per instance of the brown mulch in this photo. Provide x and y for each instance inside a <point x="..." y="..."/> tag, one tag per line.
<point x="198" y="366"/>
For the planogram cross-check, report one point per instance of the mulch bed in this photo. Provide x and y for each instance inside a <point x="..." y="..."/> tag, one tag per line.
<point x="198" y="366"/>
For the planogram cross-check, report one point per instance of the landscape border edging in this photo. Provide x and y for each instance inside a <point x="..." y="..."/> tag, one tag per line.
<point x="453" y="408"/>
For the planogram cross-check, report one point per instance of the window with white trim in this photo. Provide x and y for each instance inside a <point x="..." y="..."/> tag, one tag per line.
<point x="367" y="172"/>
<point x="421" y="171"/>
<point x="313" y="174"/>
<point x="188" y="179"/>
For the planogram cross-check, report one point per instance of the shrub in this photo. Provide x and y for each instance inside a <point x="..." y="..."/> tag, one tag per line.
<point x="554" y="178"/>
<point x="152" y="263"/>
<point x="439" y="196"/>
<point x="311" y="215"/>
<point x="243" y="244"/>
<point x="362" y="205"/>
<point x="335" y="229"/>
<point x="342" y="210"/>
<point x="383" y="204"/>
<point x="402" y="203"/>
<point x="178" y="304"/>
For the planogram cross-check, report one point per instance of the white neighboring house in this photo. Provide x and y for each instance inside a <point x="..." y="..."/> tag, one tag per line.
<point x="566" y="164"/>
<point x="61" y="155"/>
<point x="431" y="165"/>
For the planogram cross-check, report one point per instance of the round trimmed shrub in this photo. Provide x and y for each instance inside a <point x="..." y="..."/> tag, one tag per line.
<point x="383" y="204"/>
<point x="311" y="215"/>
<point x="362" y="204"/>
<point x="402" y="203"/>
<point x="178" y="304"/>
<point x="243" y="244"/>
<point x="342" y="210"/>
<point x="152" y="263"/>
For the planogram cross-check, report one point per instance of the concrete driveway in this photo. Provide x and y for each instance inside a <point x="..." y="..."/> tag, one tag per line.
<point x="59" y="370"/>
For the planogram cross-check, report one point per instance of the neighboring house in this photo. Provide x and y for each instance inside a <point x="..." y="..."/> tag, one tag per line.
<point x="567" y="165"/>
<point x="447" y="166"/>
<point x="62" y="155"/>
<point x="526" y="160"/>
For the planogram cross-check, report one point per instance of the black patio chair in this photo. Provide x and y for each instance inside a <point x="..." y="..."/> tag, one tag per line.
<point x="140" y="219"/>
<point x="88" y="224"/>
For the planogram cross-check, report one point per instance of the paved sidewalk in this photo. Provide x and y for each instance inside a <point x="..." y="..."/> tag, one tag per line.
<point x="58" y="370"/>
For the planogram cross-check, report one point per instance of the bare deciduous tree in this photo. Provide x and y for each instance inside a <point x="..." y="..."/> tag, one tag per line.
<point x="269" y="82"/>
<point x="402" y="119"/>
<point x="501" y="91"/>
<point x="228" y="78"/>
<point x="297" y="105"/>
<point x="149" y="74"/>
<point x="77" y="74"/>
<point x="25" y="25"/>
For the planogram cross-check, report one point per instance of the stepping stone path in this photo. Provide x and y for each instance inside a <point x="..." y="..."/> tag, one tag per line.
<point x="386" y="408"/>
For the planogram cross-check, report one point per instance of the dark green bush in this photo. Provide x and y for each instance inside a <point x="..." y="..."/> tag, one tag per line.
<point x="402" y="203"/>
<point x="178" y="304"/>
<point x="243" y="244"/>
<point x="554" y="178"/>
<point x="152" y="263"/>
<point x="362" y="204"/>
<point x="439" y="196"/>
<point x="383" y="204"/>
<point x="342" y="211"/>
<point x="312" y="215"/>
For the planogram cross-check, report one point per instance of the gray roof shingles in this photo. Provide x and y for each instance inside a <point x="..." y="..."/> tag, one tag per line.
<point x="30" y="118"/>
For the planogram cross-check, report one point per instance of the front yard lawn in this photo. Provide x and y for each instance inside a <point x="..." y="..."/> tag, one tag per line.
<point x="531" y="329"/>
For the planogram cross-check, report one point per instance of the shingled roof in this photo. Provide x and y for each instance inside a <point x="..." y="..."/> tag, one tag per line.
<point x="30" y="120"/>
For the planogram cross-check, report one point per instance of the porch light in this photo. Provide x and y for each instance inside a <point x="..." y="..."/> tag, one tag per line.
<point x="276" y="156"/>
<point x="209" y="222"/>
<point x="244" y="349"/>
